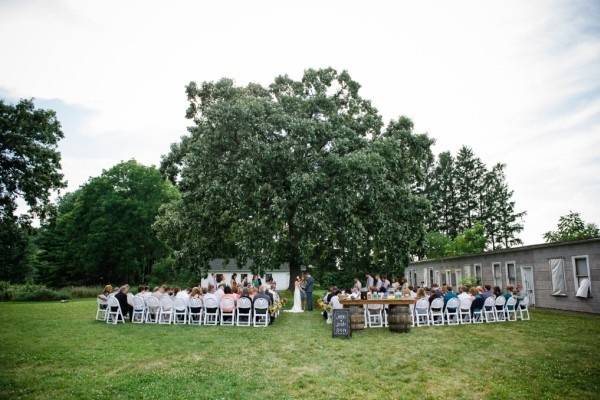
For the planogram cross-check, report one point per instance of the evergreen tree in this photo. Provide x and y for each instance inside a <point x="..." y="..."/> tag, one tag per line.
<point x="468" y="173"/>
<point x="441" y="192"/>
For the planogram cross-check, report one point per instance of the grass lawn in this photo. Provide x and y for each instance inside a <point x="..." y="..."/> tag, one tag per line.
<point x="57" y="351"/>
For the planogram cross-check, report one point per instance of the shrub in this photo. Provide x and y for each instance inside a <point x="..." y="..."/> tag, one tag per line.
<point x="6" y="291"/>
<point x="38" y="293"/>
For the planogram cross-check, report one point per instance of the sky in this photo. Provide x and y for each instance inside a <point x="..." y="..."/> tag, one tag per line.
<point x="519" y="82"/>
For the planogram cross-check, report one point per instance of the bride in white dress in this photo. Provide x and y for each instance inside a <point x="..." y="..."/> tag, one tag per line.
<point x="297" y="307"/>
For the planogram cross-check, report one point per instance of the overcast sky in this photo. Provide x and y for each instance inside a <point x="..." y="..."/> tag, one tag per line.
<point x="517" y="81"/>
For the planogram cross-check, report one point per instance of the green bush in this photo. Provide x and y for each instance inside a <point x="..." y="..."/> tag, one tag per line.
<point x="30" y="292"/>
<point x="6" y="291"/>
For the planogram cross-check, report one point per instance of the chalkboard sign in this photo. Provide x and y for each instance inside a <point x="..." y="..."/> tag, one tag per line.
<point x="341" y="323"/>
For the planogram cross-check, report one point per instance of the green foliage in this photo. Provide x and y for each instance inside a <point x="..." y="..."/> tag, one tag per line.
<point x="30" y="292"/>
<point x="300" y="172"/>
<point x="463" y="193"/>
<point x="103" y="231"/>
<point x="470" y="281"/>
<point x="470" y="241"/>
<point x="572" y="227"/>
<point x="82" y="292"/>
<point x="29" y="172"/>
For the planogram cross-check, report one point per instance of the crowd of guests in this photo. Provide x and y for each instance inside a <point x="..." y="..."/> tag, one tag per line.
<point x="381" y="284"/>
<point x="216" y="289"/>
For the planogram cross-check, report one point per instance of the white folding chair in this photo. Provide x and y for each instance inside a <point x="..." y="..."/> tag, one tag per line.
<point x="524" y="309"/>
<point x="152" y="310"/>
<point x="243" y="313"/>
<point x="165" y="315"/>
<point x="421" y="315"/>
<point x="465" y="310"/>
<point x="510" y="309"/>
<point x="261" y="312"/>
<point x="139" y="310"/>
<point x="436" y="311"/>
<point x="500" y="314"/>
<point x="374" y="315"/>
<point x="489" y="309"/>
<point x="211" y="311"/>
<point x="101" y="310"/>
<point x="195" y="312"/>
<point x="452" y="311"/>
<point x="227" y="317"/>
<point x="180" y="311"/>
<point x="114" y="312"/>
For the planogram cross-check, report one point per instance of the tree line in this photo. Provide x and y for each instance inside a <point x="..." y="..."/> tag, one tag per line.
<point x="304" y="172"/>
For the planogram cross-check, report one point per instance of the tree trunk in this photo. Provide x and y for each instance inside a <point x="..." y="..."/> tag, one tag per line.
<point x="294" y="272"/>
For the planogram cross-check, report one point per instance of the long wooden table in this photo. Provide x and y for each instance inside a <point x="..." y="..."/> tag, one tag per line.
<point x="399" y="318"/>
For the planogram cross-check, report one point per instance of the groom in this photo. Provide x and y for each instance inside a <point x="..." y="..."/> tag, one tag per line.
<point x="308" y="289"/>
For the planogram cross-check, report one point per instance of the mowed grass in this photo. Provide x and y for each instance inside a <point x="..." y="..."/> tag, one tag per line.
<point x="57" y="351"/>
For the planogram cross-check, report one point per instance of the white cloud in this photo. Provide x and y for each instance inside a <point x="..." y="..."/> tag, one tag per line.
<point x="517" y="81"/>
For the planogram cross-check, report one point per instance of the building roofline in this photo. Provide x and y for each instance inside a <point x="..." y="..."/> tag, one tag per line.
<point x="510" y="250"/>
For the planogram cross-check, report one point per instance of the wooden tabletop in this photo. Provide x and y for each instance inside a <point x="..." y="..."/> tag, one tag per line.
<point x="377" y="301"/>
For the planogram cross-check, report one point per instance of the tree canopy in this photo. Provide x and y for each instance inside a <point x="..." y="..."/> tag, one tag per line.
<point x="29" y="171"/>
<point x="572" y="227"/>
<point x="302" y="172"/>
<point x="102" y="232"/>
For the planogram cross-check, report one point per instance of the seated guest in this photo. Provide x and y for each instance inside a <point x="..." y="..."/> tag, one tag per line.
<point x="158" y="292"/>
<point x="488" y="292"/>
<point x="330" y="294"/>
<point x="262" y="295"/>
<point x="355" y="293"/>
<point x="462" y="293"/>
<point x="335" y="301"/>
<point x="210" y="295"/>
<point x="413" y="294"/>
<point x="220" y="292"/>
<point x="196" y="293"/>
<point x="508" y="293"/>
<point x="449" y="295"/>
<point x="478" y="299"/>
<point x="421" y="294"/>
<point x="183" y="295"/>
<point x="357" y="284"/>
<point x="103" y="297"/>
<point x="497" y="291"/>
<point x="444" y="289"/>
<point x="126" y="308"/>
<point x="252" y="292"/>
<point x="435" y="292"/>
<point x="228" y="295"/>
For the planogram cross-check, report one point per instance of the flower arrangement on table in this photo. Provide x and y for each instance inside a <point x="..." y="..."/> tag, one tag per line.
<point x="276" y="306"/>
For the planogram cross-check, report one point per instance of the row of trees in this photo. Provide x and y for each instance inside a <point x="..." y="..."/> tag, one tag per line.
<point x="303" y="172"/>
<point x="465" y="194"/>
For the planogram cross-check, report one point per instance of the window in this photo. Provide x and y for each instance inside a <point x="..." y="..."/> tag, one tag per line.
<point x="511" y="273"/>
<point x="458" y="277"/>
<point x="581" y="274"/>
<point x="497" y="274"/>
<point x="478" y="274"/>
<point x="438" y="277"/>
<point x="557" y="273"/>
<point x="467" y="270"/>
<point x="452" y="279"/>
<point x="448" y="277"/>
<point x="430" y="281"/>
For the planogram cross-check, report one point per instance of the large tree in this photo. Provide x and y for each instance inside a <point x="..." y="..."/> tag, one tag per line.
<point x="103" y="231"/>
<point x="469" y="172"/>
<point x="572" y="227"/>
<point x="301" y="172"/>
<point x="29" y="172"/>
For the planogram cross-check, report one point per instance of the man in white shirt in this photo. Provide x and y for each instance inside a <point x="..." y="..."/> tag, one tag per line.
<point x="370" y="281"/>
<point x="219" y="293"/>
<point x="462" y="293"/>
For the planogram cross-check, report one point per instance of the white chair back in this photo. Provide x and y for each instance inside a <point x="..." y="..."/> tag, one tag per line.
<point x="244" y="302"/>
<point x="152" y="302"/>
<point x="452" y="303"/>
<point x="227" y="303"/>
<point x="166" y="303"/>
<point x="195" y="303"/>
<point x="261" y="303"/>
<point x="489" y="302"/>
<point x="465" y="303"/>
<point x="511" y="302"/>
<point x="210" y="303"/>
<point x="179" y="304"/>
<point x="113" y="302"/>
<point x="422" y="306"/>
<point x="138" y="303"/>
<point x="438" y="302"/>
<point x="500" y="301"/>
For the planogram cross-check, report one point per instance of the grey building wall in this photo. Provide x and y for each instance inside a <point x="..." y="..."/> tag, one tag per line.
<point x="537" y="257"/>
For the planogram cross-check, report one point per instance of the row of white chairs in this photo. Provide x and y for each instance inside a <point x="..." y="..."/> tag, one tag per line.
<point x="458" y="311"/>
<point x="455" y="312"/>
<point x="151" y="310"/>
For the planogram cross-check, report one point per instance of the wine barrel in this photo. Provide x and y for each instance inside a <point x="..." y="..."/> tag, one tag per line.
<point x="357" y="318"/>
<point x="399" y="318"/>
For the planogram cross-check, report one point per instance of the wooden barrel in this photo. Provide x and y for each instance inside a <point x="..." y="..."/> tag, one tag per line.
<point x="357" y="318"/>
<point x="399" y="319"/>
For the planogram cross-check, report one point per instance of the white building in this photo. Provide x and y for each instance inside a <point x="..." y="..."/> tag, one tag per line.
<point x="280" y="275"/>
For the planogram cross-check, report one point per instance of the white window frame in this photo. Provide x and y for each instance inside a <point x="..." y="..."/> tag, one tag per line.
<point x="480" y="277"/>
<point x="437" y="276"/>
<point x="467" y="271"/>
<point x="430" y="277"/>
<point x="458" y="274"/>
<point x="589" y="274"/>
<point x="448" y="277"/>
<point x="514" y="263"/>
<point x="494" y="265"/>
<point x="564" y="276"/>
